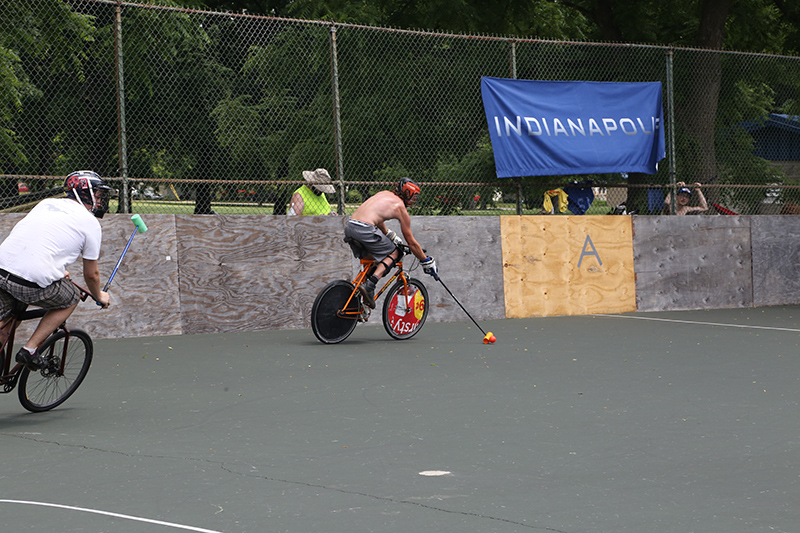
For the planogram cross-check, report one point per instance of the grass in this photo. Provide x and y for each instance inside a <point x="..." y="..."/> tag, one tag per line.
<point x="165" y="207"/>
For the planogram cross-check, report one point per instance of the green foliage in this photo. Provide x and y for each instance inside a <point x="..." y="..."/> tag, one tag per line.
<point x="475" y="166"/>
<point x="221" y="97"/>
<point x="35" y="43"/>
<point x="354" y="197"/>
<point x="278" y="123"/>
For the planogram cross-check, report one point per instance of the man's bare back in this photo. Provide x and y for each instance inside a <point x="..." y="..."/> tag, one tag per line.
<point x="379" y="208"/>
<point x="386" y="205"/>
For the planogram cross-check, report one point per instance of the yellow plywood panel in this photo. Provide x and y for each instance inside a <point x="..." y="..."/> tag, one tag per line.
<point x="567" y="265"/>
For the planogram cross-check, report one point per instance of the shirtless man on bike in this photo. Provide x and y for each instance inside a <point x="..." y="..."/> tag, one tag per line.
<point x="368" y="226"/>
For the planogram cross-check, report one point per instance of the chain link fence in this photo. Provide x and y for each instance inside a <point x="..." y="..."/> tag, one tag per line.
<point x="188" y="111"/>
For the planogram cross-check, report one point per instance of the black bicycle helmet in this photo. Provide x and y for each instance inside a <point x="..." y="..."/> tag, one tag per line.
<point x="89" y="189"/>
<point x="407" y="189"/>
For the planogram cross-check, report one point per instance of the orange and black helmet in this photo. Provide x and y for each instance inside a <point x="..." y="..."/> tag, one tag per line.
<point x="407" y="189"/>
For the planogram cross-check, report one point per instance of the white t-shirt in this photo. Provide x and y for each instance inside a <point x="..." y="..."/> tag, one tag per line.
<point x="51" y="237"/>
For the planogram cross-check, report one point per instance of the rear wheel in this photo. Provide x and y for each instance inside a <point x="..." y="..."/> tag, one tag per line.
<point x="68" y="360"/>
<point x="325" y="322"/>
<point x="405" y="310"/>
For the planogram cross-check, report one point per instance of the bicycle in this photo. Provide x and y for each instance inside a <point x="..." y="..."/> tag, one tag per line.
<point x="338" y="307"/>
<point x="68" y="353"/>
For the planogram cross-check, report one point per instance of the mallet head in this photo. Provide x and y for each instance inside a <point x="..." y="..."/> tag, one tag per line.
<point x="139" y="223"/>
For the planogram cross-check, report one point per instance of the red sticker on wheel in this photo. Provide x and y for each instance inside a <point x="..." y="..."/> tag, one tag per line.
<point x="405" y="312"/>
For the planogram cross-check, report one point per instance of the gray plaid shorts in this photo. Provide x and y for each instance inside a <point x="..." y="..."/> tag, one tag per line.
<point x="377" y="244"/>
<point x="58" y="295"/>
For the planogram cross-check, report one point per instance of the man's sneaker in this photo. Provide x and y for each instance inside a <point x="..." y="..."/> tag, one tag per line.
<point x="33" y="362"/>
<point x="367" y="290"/>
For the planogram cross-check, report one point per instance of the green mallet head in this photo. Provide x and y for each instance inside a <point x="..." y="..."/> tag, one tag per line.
<point x="139" y="223"/>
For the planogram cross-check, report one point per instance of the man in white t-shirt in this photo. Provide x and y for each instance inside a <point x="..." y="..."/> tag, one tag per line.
<point x="35" y="255"/>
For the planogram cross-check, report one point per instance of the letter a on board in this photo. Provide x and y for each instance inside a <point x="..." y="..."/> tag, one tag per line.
<point x="587" y="246"/>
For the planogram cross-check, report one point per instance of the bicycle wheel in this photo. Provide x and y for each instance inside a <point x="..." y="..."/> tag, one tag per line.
<point x="405" y="313"/>
<point x="42" y="390"/>
<point x="328" y="327"/>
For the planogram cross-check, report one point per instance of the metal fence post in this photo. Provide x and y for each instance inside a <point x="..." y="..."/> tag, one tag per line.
<point x="122" y="142"/>
<point x="337" y="120"/>
<point x="671" y="131"/>
<point x="513" y="67"/>
<point x="513" y="59"/>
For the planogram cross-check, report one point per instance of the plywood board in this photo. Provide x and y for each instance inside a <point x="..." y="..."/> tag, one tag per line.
<point x="692" y="262"/>
<point x="202" y="274"/>
<point x="144" y="293"/>
<point x="776" y="260"/>
<point x="567" y="265"/>
<point x="252" y="272"/>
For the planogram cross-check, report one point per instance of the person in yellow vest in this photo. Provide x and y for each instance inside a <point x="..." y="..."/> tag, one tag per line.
<point x="310" y="199"/>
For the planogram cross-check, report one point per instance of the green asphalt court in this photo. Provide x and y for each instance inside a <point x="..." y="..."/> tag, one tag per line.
<point x="672" y="422"/>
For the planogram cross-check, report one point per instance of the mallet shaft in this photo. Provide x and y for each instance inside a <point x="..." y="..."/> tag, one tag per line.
<point x="459" y="303"/>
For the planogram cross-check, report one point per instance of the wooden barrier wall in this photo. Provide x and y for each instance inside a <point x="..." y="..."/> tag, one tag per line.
<point x="210" y="273"/>
<point x="567" y="265"/>
<point x="206" y="274"/>
<point x="692" y="262"/>
<point x="776" y="260"/>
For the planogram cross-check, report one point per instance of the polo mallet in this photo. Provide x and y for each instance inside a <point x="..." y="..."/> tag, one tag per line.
<point x="140" y="226"/>
<point x="487" y="337"/>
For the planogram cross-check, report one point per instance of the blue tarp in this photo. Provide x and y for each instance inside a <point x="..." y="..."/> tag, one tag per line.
<point x="543" y="128"/>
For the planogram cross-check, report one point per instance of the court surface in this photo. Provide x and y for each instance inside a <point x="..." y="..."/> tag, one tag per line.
<point x="659" y="422"/>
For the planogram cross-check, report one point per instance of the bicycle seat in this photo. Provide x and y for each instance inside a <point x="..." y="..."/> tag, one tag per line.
<point x="21" y="312"/>
<point x="32" y="313"/>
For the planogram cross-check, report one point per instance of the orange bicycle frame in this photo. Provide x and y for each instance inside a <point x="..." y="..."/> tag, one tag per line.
<point x="366" y="268"/>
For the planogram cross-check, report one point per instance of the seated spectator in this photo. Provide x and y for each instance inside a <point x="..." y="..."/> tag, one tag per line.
<point x="310" y="199"/>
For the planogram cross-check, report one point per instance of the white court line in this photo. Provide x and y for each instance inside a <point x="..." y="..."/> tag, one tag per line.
<point x="700" y="323"/>
<point x="115" y="515"/>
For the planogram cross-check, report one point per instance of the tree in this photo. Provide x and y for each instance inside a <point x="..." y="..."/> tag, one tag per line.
<point x="769" y="26"/>
<point x="38" y="47"/>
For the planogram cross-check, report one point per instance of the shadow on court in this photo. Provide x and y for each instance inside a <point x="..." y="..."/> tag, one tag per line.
<point x="660" y="422"/>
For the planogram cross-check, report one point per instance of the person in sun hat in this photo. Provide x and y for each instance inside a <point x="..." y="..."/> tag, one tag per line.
<point x="682" y="206"/>
<point x="310" y="199"/>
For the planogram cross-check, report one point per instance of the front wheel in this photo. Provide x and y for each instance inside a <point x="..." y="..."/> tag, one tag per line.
<point x="405" y="310"/>
<point x="69" y="357"/>
<point x="328" y="325"/>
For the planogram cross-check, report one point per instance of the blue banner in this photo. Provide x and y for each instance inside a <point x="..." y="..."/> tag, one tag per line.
<point x="543" y="128"/>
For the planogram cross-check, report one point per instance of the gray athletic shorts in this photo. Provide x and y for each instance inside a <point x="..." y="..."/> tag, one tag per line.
<point x="374" y="240"/>
<point x="58" y="295"/>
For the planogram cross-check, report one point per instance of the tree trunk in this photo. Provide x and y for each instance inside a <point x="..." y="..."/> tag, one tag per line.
<point x="698" y="115"/>
<point x="204" y="192"/>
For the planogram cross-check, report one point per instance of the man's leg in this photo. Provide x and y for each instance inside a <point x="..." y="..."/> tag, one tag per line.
<point x="367" y="288"/>
<point x="381" y="267"/>
<point x="47" y="325"/>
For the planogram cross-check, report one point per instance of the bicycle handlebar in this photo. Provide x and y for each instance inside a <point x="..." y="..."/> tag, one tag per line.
<point x="406" y="249"/>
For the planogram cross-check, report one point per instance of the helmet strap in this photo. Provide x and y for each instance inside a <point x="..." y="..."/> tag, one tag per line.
<point x="91" y="195"/>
